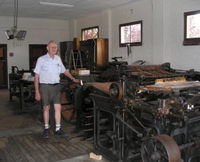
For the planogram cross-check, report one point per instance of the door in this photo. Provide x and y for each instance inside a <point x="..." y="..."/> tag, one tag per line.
<point x="35" y="51"/>
<point x="3" y="66"/>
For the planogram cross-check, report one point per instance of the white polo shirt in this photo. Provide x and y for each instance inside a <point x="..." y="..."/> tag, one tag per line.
<point x="49" y="69"/>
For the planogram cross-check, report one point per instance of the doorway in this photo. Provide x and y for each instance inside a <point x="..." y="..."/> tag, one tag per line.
<point x="3" y="66"/>
<point x="35" y="51"/>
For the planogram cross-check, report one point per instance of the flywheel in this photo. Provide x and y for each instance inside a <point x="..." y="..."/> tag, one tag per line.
<point x="161" y="148"/>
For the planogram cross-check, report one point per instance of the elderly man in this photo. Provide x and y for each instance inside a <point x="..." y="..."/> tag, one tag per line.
<point x="47" y="88"/>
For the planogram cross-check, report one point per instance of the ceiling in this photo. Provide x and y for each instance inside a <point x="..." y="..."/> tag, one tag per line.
<point x="33" y="8"/>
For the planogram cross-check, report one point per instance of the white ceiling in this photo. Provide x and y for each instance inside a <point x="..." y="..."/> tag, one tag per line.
<point x="33" y="8"/>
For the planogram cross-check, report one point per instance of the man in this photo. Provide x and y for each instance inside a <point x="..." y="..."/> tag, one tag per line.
<point x="47" y="87"/>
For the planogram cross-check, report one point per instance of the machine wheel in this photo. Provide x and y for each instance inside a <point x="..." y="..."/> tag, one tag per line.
<point x="161" y="148"/>
<point x="68" y="110"/>
<point x="116" y="91"/>
<point x="29" y="93"/>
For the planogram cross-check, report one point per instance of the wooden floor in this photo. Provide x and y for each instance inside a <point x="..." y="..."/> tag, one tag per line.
<point x="32" y="148"/>
<point x="20" y="137"/>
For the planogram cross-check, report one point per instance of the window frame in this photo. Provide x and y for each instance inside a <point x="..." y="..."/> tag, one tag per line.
<point x="89" y="28"/>
<point x="190" y="41"/>
<point x="133" y="43"/>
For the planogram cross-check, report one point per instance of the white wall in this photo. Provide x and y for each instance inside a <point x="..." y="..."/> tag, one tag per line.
<point x="158" y="23"/>
<point x="39" y="31"/>
<point x="162" y="31"/>
<point x="101" y="19"/>
<point x="98" y="19"/>
<point x="108" y="22"/>
<point x="182" y="57"/>
<point x="141" y="10"/>
<point x="73" y="29"/>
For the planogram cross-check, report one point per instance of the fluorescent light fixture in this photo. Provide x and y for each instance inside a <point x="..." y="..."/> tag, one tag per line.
<point x="21" y="35"/>
<point x="56" y="4"/>
<point x="9" y="34"/>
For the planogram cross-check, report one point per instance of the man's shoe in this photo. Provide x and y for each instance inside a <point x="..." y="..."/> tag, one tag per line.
<point x="60" y="132"/>
<point x="45" y="133"/>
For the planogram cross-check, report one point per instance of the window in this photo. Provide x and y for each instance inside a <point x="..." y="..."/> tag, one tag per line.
<point x="192" y="28"/>
<point x="130" y="33"/>
<point x="90" y="33"/>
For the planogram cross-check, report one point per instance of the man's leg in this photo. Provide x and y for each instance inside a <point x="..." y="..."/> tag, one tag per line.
<point x="45" y="91"/>
<point x="58" y="130"/>
<point x="57" y="108"/>
<point x="46" y="116"/>
<point x="46" y="121"/>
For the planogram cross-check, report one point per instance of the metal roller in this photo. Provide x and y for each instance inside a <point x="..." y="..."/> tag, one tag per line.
<point x="104" y="87"/>
<point x="116" y="90"/>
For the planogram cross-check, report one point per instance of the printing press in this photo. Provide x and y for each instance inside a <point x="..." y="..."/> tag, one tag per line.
<point x="151" y="114"/>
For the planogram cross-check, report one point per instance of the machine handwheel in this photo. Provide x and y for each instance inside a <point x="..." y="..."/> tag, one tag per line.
<point x="161" y="148"/>
<point x="68" y="110"/>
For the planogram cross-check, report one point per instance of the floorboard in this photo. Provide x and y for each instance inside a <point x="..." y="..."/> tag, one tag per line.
<point x="21" y="141"/>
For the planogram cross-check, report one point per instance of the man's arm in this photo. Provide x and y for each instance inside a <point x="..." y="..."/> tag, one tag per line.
<point x="67" y="73"/>
<point x="36" y="84"/>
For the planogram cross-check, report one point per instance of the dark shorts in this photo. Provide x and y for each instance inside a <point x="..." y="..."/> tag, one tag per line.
<point x="50" y="94"/>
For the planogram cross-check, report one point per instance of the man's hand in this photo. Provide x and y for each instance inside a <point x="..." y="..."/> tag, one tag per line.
<point x="76" y="80"/>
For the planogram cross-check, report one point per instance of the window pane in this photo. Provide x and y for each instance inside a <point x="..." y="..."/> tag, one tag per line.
<point x="90" y="33"/>
<point x="130" y="33"/>
<point x="125" y="34"/>
<point x="193" y="26"/>
<point x="136" y="33"/>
